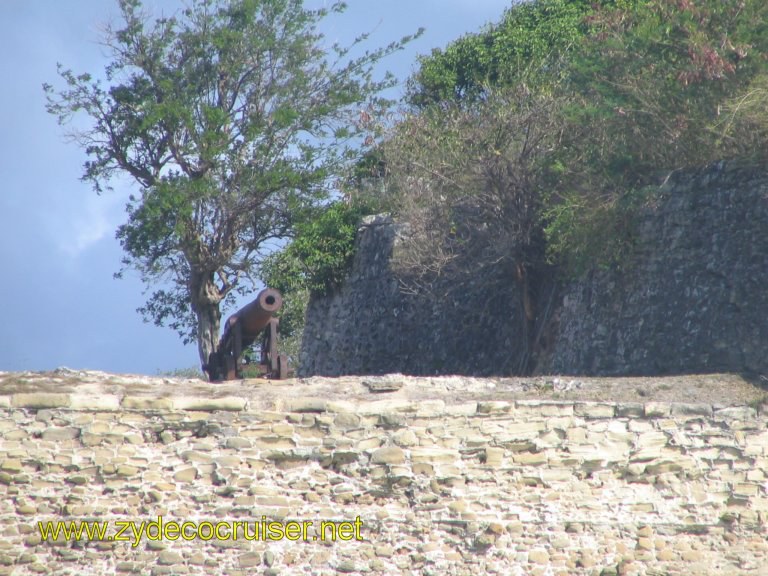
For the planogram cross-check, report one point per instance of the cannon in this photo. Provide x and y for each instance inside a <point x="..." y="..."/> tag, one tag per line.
<point x="243" y="328"/>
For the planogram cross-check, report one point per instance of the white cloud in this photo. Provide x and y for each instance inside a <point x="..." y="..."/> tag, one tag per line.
<point x="85" y="223"/>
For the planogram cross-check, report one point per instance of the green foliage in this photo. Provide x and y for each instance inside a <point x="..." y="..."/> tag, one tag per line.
<point x="656" y="76"/>
<point x="316" y="261"/>
<point x="645" y="87"/>
<point x="319" y="256"/>
<point x="231" y="118"/>
<point x="530" y="44"/>
<point x="658" y="86"/>
<point x="581" y="237"/>
<point x="468" y="180"/>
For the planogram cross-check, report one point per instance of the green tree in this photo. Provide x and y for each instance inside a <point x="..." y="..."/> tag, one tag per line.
<point x="231" y="118"/>
<point x="657" y="86"/>
<point x="531" y="43"/>
<point x="654" y="78"/>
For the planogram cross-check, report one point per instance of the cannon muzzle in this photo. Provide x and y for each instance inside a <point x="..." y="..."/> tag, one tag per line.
<point x="254" y="317"/>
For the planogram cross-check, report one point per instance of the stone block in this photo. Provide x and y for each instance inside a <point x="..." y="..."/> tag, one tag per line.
<point x="340" y="406"/>
<point x="388" y="455"/>
<point x="226" y="403"/>
<point x="305" y="404"/>
<point x="692" y="410"/>
<point x="58" y="434"/>
<point x="186" y="475"/>
<point x="493" y="407"/>
<point x="630" y="410"/>
<point x="95" y="402"/>
<point x="514" y="431"/>
<point x="538" y="556"/>
<point x="146" y="403"/>
<point x="39" y="400"/>
<point x="382" y="407"/>
<point x="430" y="408"/>
<point x="657" y="409"/>
<point x="463" y="409"/>
<point x="529" y="458"/>
<point x="10" y="465"/>
<point x="594" y="410"/>
<point x="735" y="413"/>
<point x="434" y="455"/>
<point x="405" y="438"/>
<point x="346" y="420"/>
<point x="493" y="456"/>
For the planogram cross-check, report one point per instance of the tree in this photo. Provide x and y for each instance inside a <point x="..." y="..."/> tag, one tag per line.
<point x="531" y="43"/>
<point x="468" y="182"/>
<point x="231" y="119"/>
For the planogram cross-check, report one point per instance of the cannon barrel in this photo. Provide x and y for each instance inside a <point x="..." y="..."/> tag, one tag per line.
<point x="243" y="328"/>
<point x="254" y="317"/>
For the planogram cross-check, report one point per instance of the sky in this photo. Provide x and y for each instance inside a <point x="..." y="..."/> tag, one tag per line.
<point x="59" y="303"/>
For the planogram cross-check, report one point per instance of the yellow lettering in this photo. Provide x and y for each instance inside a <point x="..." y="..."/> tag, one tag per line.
<point x="222" y="525"/>
<point x="171" y="531"/>
<point x="275" y="531"/>
<point x="184" y="533"/>
<point x="346" y="531"/>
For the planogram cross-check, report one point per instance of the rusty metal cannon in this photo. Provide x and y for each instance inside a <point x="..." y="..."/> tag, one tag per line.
<point x="243" y="328"/>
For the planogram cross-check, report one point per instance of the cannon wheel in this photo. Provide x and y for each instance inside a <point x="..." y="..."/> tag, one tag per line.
<point x="282" y="367"/>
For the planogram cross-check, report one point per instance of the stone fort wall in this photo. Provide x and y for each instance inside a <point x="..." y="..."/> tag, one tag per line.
<point x="690" y="298"/>
<point x="441" y="482"/>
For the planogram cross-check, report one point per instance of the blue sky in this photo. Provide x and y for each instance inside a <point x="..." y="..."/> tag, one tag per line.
<point x="60" y="304"/>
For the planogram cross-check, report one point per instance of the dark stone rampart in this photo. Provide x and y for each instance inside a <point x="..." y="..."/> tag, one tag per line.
<point x="692" y="298"/>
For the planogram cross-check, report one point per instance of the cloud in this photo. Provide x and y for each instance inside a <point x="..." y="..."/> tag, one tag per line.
<point x="85" y="223"/>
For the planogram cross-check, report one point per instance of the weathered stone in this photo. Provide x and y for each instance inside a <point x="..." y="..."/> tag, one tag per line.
<point x="382" y="407"/>
<point x="463" y="409"/>
<point x="736" y="413"/>
<point x="38" y="400"/>
<point x="346" y="420"/>
<point x="630" y="410"/>
<point x="388" y="455"/>
<point x="186" y="475"/>
<point x="146" y="403"/>
<point x="168" y="557"/>
<point x="493" y="407"/>
<point x="101" y="402"/>
<point x="230" y="403"/>
<point x="405" y="438"/>
<point x="433" y="455"/>
<point x="538" y="556"/>
<point x="305" y="404"/>
<point x="657" y="409"/>
<point x="593" y="410"/>
<point x="10" y="465"/>
<point x="237" y="443"/>
<point x="530" y="458"/>
<point x="691" y="410"/>
<point x="515" y="431"/>
<point x="57" y="434"/>
<point x="126" y="471"/>
<point x="494" y="456"/>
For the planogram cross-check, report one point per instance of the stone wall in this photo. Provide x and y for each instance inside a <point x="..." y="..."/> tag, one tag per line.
<point x="370" y="326"/>
<point x="443" y="481"/>
<point x="691" y="298"/>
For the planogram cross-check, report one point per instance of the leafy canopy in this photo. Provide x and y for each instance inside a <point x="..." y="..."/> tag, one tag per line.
<point x="231" y="117"/>
<point x="531" y="43"/>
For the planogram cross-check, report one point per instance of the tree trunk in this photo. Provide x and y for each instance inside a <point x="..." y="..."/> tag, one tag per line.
<point x="205" y="298"/>
<point x="529" y="314"/>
